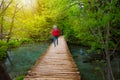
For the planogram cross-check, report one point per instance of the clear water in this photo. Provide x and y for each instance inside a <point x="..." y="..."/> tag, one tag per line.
<point x="23" y="58"/>
<point x="88" y="71"/>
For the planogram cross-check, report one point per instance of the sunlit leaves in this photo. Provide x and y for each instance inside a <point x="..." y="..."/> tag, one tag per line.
<point x="69" y="17"/>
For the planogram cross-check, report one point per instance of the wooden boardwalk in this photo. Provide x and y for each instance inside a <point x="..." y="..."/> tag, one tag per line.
<point x="55" y="64"/>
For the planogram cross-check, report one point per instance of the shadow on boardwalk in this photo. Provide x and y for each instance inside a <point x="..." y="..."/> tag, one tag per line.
<point x="55" y="64"/>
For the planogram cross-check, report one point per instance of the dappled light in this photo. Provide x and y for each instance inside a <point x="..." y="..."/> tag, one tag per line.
<point x="27" y="4"/>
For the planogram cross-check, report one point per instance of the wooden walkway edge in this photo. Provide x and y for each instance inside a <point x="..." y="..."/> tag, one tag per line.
<point x="55" y="64"/>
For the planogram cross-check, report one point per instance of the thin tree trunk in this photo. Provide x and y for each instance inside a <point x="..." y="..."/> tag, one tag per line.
<point x="115" y="47"/>
<point x="3" y="7"/>
<point x="107" y="53"/>
<point x="2" y="20"/>
<point x="1" y="3"/>
<point x="109" y="69"/>
<point x="1" y="27"/>
<point x="12" y="24"/>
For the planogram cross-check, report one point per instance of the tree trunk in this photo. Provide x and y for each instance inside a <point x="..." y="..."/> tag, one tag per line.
<point x="2" y="20"/>
<point x="109" y="69"/>
<point x="1" y="28"/>
<point x="12" y="23"/>
<point x="3" y="8"/>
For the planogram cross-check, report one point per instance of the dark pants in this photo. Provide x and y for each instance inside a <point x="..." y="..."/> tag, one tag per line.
<point x="55" y="40"/>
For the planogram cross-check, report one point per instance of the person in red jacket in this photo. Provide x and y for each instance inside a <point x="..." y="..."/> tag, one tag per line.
<point x="55" y="33"/>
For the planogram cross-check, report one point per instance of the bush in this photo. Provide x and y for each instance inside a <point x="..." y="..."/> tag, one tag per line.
<point x="14" y="43"/>
<point x="3" y="48"/>
<point x="19" y="78"/>
<point x="26" y="41"/>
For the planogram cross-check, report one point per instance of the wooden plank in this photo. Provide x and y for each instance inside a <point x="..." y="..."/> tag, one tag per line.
<point x="55" y="64"/>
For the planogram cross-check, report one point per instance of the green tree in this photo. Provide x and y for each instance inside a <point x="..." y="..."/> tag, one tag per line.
<point x="93" y="23"/>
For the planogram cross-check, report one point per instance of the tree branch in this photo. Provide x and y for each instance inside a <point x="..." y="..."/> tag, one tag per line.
<point x="1" y="3"/>
<point x="93" y="32"/>
<point x="6" y="7"/>
<point x="115" y="47"/>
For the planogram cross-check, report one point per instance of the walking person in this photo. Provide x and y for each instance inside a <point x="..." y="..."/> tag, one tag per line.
<point x="55" y="33"/>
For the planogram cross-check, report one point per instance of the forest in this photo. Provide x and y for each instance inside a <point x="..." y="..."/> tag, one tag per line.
<point x="93" y="24"/>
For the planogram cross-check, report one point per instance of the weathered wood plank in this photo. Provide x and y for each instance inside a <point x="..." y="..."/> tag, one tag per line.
<point x="56" y="64"/>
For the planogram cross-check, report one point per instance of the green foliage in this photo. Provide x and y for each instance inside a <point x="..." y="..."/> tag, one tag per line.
<point x="3" y="48"/>
<point x="19" y="78"/>
<point x="14" y="43"/>
<point x="97" y="68"/>
<point x="25" y="41"/>
<point x="89" y="24"/>
<point x="74" y="18"/>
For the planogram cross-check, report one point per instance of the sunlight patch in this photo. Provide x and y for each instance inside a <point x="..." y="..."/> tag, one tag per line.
<point x="28" y="4"/>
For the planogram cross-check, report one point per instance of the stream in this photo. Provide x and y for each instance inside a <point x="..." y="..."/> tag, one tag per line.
<point x="24" y="57"/>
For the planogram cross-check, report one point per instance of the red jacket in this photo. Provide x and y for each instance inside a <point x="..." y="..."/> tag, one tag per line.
<point x="56" y="32"/>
